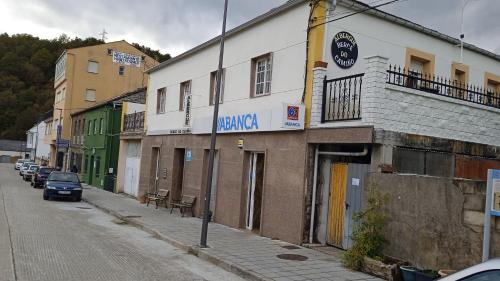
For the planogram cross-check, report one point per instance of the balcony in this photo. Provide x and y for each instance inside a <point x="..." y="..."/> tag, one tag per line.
<point x="134" y="122"/>
<point x="342" y="98"/>
<point x="441" y="86"/>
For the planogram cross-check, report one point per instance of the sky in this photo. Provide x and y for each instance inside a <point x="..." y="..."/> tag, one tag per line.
<point x="175" y="26"/>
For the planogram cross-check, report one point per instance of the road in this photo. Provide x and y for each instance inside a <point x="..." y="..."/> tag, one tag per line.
<point x="66" y="241"/>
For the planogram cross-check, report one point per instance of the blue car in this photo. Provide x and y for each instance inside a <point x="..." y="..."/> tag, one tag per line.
<point x="62" y="185"/>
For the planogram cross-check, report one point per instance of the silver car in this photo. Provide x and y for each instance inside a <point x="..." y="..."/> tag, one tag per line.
<point x="486" y="271"/>
<point x="25" y="166"/>
<point x="19" y="163"/>
<point x="28" y="173"/>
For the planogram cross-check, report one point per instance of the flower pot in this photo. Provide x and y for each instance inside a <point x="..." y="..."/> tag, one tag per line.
<point x="408" y="273"/>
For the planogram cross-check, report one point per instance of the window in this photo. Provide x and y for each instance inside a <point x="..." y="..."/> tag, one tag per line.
<point x="93" y="67"/>
<point x="184" y="93"/>
<point x="419" y="61"/>
<point x="121" y="70"/>
<point x="213" y="86"/>
<point x="90" y="95"/>
<point x="492" y="86"/>
<point x="161" y="97"/>
<point x="261" y="76"/>
<point x="490" y="275"/>
<point x="97" y="166"/>
<point x="58" y="96"/>
<point x="101" y="126"/>
<point x="89" y="128"/>
<point x="95" y="127"/>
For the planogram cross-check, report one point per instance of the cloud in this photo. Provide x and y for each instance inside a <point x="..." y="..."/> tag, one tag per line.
<point x="175" y="26"/>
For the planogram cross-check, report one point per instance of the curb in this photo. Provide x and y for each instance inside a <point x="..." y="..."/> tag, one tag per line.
<point x="194" y="250"/>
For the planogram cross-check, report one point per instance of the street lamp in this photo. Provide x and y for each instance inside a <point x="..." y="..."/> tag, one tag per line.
<point x="213" y="136"/>
<point x="462" y="36"/>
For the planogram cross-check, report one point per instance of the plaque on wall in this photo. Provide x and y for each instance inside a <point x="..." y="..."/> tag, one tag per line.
<point x="344" y="49"/>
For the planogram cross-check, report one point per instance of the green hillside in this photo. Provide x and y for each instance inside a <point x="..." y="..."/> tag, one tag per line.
<point x="27" y="78"/>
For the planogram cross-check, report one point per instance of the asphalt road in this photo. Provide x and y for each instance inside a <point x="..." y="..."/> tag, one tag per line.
<point x="66" y="241"/>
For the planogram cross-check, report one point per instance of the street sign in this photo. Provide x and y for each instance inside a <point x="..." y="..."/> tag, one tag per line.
<point x="61" y="143"/>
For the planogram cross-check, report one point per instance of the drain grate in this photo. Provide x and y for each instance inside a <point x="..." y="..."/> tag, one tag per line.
<point x="133" y="217"/>
<point x="85" y="208"/>
<point x="290" y="247"/>
<point x="292" y="257"/>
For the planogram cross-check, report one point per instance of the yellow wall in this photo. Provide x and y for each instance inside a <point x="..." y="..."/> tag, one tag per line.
<point x="315" y="52"/>
<point x="107" y="82"/>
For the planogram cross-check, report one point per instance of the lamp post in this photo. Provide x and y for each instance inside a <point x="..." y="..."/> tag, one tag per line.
<point x="213" y="136"/>
<point x="462" y="35"/>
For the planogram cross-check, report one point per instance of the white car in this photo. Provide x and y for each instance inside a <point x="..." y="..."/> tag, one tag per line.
<point x="19" y="163"/>
<point x="24" y="167"/>
<point x="28" y="173"/>
<point x="486" y="271"/>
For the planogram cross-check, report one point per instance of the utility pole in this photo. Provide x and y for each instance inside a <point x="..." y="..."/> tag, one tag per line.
<point x="462" y="35"/>
<point x="213" y="136"/>
<point x="103" y="35"/>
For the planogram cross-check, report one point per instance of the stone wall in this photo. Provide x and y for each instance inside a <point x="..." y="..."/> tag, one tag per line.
<point x="435" y="222"/>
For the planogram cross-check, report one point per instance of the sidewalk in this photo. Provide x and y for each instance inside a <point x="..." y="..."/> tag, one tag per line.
<point x="248" y="255"/>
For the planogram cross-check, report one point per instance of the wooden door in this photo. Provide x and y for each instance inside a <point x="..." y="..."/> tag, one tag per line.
<point x="338" y="182"/>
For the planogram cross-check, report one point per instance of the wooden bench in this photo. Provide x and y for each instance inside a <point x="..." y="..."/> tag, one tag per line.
<point x="158" y="197"/>
<point x="186" y="202"/>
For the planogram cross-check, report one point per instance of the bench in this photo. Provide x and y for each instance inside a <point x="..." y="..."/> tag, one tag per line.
<point x="158" y="197"/>
<point x="186" y="202"/>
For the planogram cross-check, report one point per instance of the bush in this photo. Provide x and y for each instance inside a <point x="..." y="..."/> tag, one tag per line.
<point x="368" y="239"/>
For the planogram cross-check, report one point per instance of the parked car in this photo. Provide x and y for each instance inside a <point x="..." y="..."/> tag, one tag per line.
<point x="486" y="271"/>
<point x="28" y="174"/>
<point x="64" y="185"/>
<point x="19" y="163"/>
<point x="40" y="176"/>
<point x="25" y="166"/>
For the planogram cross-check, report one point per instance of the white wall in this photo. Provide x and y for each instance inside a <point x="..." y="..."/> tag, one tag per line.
<point x="135" y="107"/>
<point x="400" y="109"/>
<point x="283" y="35"/>
<point x="42" y="149"/>
<point x="376" y="36"/>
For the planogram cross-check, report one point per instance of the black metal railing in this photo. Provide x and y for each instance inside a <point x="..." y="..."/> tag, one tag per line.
<point x="441" y="86"/>
<point x="133" y="122"/>
<point x="342" y="98"/>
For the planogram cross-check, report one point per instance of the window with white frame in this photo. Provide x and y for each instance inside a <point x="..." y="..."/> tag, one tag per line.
<point x="184" y="92"/>
<point x="58" y="96"/>
<point x="261" y="75"/>
<point x="213" y="86"/>
<point x="161" y="97"/>
<point x="90" y="95"/>
<point x="93" y="67"/>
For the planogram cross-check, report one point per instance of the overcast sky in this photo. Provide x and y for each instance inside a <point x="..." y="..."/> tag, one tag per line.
<point x="175" y="26"/>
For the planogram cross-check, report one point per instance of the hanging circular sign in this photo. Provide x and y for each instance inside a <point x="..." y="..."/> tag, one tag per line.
<point x="344" y="49"/>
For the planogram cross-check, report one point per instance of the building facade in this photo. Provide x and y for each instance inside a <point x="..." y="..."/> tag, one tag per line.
<point x="35" y="140"/>
<point x="83" y="79"/>
<point x="315" y="111"/>
<point x="393" y="104"/>
<point x="132" y="132"/>
<point x="258" y="181"/>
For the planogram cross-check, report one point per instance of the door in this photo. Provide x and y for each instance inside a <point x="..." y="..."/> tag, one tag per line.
<point x="335" y="229"/>
<point x="90" y="170"/>
<point x="213" y="190"/>
<point x="132" y="163"/>
<point x="131" y="184"/>
<point x="178" y="173"/>
<point x="354" y="199"/>
<point x="254" y="190"/>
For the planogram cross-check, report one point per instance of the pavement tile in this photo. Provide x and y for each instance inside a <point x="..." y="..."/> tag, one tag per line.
<point x="254" y="253"/>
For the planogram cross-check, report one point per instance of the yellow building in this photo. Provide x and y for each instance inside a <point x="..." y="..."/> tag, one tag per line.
<point x="88" y="75"/>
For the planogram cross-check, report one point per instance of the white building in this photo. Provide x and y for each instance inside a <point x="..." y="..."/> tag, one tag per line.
<point x="35" y="140"/>
<point x="295" y="145"/>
